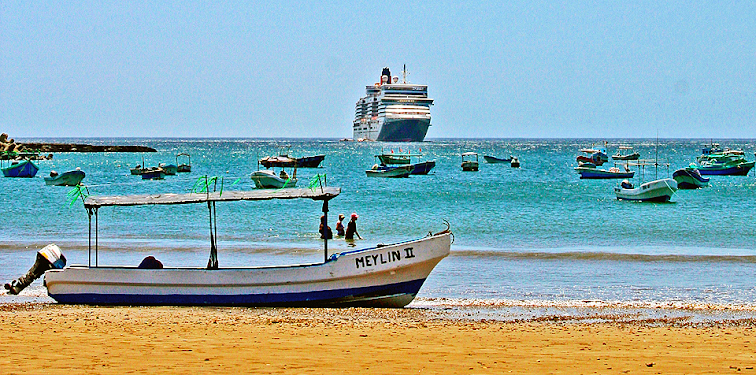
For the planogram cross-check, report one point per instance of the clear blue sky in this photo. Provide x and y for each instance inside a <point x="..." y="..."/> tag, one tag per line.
<point x="296" y="69"/>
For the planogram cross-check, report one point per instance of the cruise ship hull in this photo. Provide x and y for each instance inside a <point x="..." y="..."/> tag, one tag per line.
<point x="403" y="130"/>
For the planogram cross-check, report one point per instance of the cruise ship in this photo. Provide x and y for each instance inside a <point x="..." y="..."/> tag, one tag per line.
<point x="393" y="111"/>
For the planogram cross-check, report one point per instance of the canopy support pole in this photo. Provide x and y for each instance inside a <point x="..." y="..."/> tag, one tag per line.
<point x="89" y="257"/>
<point x="97" y="238"/>
<point x="212" y="263"/>
<point x="325" y="230"/>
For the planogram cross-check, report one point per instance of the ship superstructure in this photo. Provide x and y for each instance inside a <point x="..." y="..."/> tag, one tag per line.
<point x="393" y="111"/>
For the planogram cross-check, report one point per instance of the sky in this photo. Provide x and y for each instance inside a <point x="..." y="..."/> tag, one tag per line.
<point x="510" y="69"/>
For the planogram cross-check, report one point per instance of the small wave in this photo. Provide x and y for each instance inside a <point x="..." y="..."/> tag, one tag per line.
<point x="582" y="304"/>
<point x="607" y="256"/>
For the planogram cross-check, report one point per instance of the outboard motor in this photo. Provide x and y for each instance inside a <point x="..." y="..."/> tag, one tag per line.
<point x="50" y="257"/>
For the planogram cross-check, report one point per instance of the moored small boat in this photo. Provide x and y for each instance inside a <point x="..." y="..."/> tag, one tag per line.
<point x="653" y="191"/>
<point x="589" y="171"/>
<point x="470" y="162"/>
<point x="267" y="179"/>
<point x="627" y="155"/>
<point x="515" y="163"/>
<point x="70" y="178"/>
<point x="170" y="169"/>
<point x="494" y="160"/>
<point x="596" y="156"/>
<point x="387" y="160"/>
<point x="390" y="172"/>
<point x="738" y="167"/>
<point x="184" y="167"/>
<point x="136" y="171"/>
<point x="23" y="168"/>
<point x="689" y="178"/>
<point x="285" y="160"/>
<point x="153" y="173"/>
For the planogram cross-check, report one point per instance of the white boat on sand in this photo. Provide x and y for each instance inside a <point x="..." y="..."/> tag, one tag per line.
<point x="383" y="276"/>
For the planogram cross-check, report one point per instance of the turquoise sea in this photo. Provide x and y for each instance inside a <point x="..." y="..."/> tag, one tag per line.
<point x="528" y="242"/>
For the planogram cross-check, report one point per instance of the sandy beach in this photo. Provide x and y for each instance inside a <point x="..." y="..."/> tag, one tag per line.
<point x="56" y="339"/>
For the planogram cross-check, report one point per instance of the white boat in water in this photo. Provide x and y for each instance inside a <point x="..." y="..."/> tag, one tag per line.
<point x="392" y="111"/>
<point x="267" y="179"/>
<point x="390" y="172"/>
<point x="70" y="178"/>
<point x="383" y="276"/>
<point x="654" y="191"/>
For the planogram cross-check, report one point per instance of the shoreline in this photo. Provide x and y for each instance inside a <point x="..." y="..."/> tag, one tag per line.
<point x="277" y="340"/>
<point x="511" y="311"/>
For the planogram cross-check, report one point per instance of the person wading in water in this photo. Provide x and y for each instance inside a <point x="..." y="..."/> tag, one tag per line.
<point x="351" y="230"/>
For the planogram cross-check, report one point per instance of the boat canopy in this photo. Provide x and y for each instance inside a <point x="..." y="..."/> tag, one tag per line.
<point x="324" y="194"/>
<point x="470" y="154"/>
<point x="399" y="154"/>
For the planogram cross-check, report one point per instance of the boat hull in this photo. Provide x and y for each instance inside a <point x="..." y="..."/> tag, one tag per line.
<point x="70" y="178"/>
<point x="390" y="172"/>
<point x="285" y="161"/>
<point x="654" y="191"/>
<point x="600" y="174"/>
<point x="417" y="169"/>
<point x="403" y="130"/>
<point x="24" y="168"/>
<point x="310" y="161"/>
<point x="388" y="276"/>
<point x="153" y="174"/>
<point x="493" y="160"/>
<point x="741" y="169"/>
<point x="633" y="156"/>
<point x="470" y="166"/>
<point x="423" y="168"/>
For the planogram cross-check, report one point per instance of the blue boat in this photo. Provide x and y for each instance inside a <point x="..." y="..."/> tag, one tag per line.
<point x="417" y="168"/>
<point x="24" y="168"/>
<point x="423" y="168"/>
<point x="389" y="159"/>
<point x="689" y="178"/>
<point x="154" y="173"/>
<point x="734" y="168"/>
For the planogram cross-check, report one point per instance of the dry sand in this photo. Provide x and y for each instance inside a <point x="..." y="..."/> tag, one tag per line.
<point x="56" y="339"/>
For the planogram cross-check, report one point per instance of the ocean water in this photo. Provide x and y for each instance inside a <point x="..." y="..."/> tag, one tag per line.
<point x="526" y="240"/>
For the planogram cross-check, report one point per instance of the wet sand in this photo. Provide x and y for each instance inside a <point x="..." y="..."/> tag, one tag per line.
<point x="57" y="339"/>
